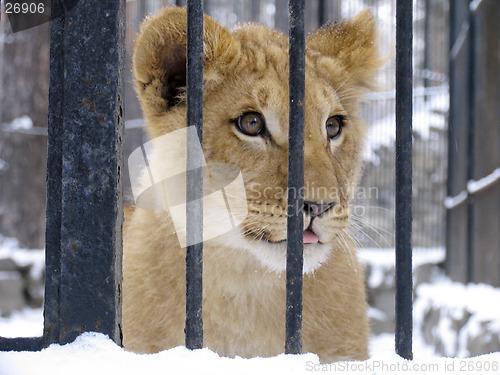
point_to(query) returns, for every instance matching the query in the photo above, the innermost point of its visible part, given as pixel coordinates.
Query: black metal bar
(84, 209)
(84, 203)
(295, 224)
(52, 299)
(404, 107)
(456, 218)
(21, 344)
(427, 44)
(452, 30)
(194, 207)
(471, 98)
(322, 12)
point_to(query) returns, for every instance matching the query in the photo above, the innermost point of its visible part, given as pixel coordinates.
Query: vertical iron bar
(84, 172)
(452, 30)
(194, 184)
(471, 98)
(427, 45)
(456, 264)
(404, 75)
(84, 201)
(321, 12)
(295, 224)
(54, 178)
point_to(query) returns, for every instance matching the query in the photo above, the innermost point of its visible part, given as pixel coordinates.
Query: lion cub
(246, 125)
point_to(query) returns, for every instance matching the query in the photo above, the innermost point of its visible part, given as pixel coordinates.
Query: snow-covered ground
(95, 353)
(9, 248)
(24, 323)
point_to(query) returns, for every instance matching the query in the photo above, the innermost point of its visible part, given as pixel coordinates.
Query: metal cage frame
(83, 288)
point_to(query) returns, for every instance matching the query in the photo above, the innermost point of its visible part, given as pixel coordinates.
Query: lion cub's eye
(251, 123)
(334, 126)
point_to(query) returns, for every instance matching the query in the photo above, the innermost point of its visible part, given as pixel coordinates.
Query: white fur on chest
(273, 255)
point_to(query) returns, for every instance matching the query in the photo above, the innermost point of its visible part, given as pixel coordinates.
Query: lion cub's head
(246, 119)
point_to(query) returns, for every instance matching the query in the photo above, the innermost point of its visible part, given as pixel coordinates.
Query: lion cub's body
(243, 275)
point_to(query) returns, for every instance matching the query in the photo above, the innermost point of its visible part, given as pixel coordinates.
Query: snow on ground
(96, 354)
(383, 260)
(385, 257)
(467, 314)
(477, 299)
(9, 248)
(25, 323)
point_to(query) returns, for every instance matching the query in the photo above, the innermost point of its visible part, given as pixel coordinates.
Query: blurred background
(456, 158)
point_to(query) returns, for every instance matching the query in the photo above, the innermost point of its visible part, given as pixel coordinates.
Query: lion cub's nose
(317, 209)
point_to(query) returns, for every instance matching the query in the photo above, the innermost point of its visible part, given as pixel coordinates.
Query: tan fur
(243, 303)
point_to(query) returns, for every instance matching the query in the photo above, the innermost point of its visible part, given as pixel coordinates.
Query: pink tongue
(310, 237)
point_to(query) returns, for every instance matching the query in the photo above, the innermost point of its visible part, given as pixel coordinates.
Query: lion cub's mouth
(271, 252)
(308, 236)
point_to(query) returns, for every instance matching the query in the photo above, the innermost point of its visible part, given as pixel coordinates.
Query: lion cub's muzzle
(314, 209)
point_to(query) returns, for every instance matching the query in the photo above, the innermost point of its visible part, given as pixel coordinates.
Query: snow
(473, 186)
(384, 259)
(21, 123)
(483, 183)
(456, 304)
(475, 298)
(96, 354)
(25, 323)
(452, 202)
(474, 5)
(9, 248)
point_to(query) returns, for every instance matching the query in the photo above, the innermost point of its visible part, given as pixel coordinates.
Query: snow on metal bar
(457, 200)
(474, 5)
(295, 225)
(473, 187)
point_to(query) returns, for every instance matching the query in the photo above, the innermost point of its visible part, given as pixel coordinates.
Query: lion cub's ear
(353, 44)
(159, 62)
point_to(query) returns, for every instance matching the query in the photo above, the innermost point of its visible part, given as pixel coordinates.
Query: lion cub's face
(246, 120)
